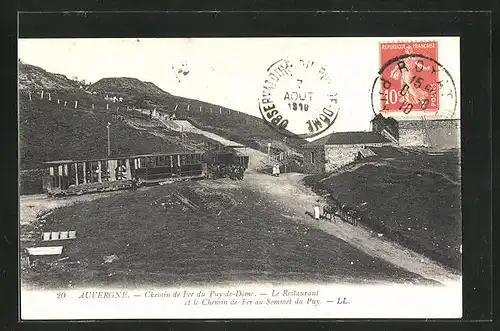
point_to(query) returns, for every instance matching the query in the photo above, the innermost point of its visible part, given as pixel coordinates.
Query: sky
(229, 71)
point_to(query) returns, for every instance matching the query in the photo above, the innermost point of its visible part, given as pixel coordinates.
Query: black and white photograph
(287, 177)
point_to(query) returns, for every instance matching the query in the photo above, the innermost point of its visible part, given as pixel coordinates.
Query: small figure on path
(317, 210)
(276, 170)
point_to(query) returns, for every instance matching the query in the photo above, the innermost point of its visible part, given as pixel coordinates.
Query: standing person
(317, 210)
(276, 170)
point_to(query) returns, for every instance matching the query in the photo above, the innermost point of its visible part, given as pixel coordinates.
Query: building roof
(349, 138)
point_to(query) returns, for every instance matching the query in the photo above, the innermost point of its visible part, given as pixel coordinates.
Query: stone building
(437, 134)
(340, 148)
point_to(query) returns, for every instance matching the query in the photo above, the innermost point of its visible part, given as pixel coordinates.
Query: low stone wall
(340, 155)
(412, 137)
(442, 134)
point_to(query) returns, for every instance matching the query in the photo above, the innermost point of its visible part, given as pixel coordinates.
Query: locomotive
(68, 177)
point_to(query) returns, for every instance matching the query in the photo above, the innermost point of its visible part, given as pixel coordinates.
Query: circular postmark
(414, 84)
(297, 98)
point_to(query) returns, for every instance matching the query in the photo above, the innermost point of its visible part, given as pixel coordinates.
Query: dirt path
(186, 126)
(289, 190)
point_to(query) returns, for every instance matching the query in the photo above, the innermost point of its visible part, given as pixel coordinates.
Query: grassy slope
(414, 200)
(228, 123)
(52, 132)
(228, 239)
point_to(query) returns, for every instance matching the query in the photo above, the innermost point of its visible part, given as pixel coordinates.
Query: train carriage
(67, 177)
(153, 167)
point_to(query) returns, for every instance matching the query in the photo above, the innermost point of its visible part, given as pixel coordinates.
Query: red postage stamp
(409, 77)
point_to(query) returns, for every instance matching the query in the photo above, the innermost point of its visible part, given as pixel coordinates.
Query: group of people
(337, 209)
(232, 171)
(237, 172)
(160, 115)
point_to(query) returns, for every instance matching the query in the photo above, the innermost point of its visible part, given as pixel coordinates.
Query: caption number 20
(61, 295)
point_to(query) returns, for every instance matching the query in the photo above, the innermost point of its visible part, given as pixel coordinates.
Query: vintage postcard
(195, 178)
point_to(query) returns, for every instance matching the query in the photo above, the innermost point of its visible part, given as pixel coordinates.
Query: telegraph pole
(109, 142)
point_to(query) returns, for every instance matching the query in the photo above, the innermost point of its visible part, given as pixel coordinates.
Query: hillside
(128, 88)
(49, 130)
(36, 78)
(61, 119)
(228, 123)
(413, 199)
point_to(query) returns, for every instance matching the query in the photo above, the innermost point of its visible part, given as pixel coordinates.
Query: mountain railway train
(69, 177)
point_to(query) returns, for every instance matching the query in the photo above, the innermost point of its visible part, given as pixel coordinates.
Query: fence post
(41, 95)
(50, 98)
(220, 110)
(76, 104)
(65, 102)
(29, 94)
(57, 101)
(107, 106)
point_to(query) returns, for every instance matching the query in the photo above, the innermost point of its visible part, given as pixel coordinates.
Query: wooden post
(59, 174)
(57, 101)
(99, 172)
(112, 164)
(41, 95)
(65, 102)
(171, 161)
(220, 110)
(50, 98)
(29, 94)
(188, 106)
(107, 106)
(127, 165)
(76, 104)
(84, 172)
(52, 179)
(76, 173)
